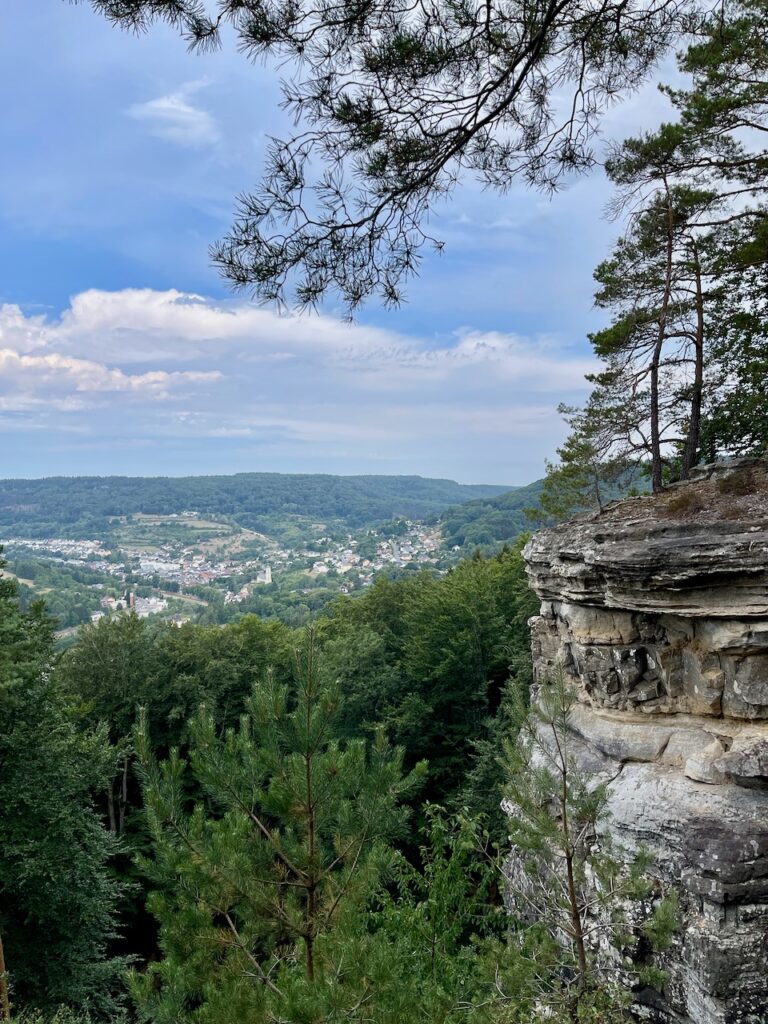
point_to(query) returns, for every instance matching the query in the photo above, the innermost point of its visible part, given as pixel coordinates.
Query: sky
(123, 352)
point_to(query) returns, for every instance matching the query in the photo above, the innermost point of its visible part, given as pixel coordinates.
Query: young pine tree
(597, 461)
(262, 891)
(568, 890)
(437, 919)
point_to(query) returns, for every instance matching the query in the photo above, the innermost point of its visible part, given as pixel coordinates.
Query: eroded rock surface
(657, 611)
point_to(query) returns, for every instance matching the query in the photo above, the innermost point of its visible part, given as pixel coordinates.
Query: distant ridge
(487, 522)
(74, 506)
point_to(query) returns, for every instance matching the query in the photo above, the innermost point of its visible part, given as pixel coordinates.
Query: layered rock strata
(657, 611)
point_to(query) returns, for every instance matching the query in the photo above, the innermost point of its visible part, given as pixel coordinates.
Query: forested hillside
(287, 825)
(490, 520)
(82, 506)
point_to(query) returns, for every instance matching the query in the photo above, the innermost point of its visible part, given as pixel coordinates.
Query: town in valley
(175, 566)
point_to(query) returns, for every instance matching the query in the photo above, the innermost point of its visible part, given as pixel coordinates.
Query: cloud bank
(218, 386)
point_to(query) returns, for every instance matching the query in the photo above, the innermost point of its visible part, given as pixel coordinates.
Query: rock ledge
(657, 611)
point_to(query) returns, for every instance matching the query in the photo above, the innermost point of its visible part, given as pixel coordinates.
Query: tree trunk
(656, 480)
(596, 486)
(577, 928)
(309, 938)
(123, 797)
(576, 923)
(311, 923)
(5, 1002)
(111, 808)
(694, 425)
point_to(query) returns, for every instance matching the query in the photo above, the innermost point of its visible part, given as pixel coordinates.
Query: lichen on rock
(657, 611)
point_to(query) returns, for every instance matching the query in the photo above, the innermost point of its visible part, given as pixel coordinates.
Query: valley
(274, 554)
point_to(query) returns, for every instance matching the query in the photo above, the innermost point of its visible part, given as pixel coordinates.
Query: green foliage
(726, 62)
(664, 922)
(262, 888)
(87, 507)
(438, 918)
(487, 523)
(279, 847)
(122, 662)
(568, 889)
(58, 900)
(656, 285)
(735, 421)
(68, 593)
(408, 101)
(60, 1015)
(685, 351)
(593, 465)
(428, 658)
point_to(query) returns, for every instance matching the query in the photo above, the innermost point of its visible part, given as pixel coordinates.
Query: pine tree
(735, 413)
(262, 889)
(686, 282)
(598, 460)
(397, 103)
(437, 918)
(567, 887)
(723, 113)
(657, 285)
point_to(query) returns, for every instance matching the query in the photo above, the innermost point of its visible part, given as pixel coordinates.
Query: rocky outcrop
(657, 611)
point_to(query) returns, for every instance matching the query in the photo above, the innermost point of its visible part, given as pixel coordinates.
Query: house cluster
(142, 606)
(418, 544)
(342, 564)
(90, 553)
(189, 567)
(81, 550)
(263, 576)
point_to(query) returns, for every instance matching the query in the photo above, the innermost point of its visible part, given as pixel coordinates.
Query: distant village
(354, 563)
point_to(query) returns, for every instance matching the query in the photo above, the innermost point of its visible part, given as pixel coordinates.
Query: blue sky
(121, 350)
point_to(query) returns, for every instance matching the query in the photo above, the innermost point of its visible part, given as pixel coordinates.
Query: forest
(83, 507)
(287, 825)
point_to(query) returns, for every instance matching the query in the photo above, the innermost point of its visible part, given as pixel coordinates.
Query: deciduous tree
(58, 899)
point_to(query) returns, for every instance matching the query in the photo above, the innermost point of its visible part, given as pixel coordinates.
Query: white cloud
(301, 391)
(87, 375)
(35, 376)
(137, 324)
(485, 359)
(19, 331)
(173, 118)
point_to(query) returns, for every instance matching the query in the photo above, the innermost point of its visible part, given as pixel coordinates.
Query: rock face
(657, 611)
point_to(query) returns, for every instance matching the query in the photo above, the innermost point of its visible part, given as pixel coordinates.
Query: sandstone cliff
(657, 609)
